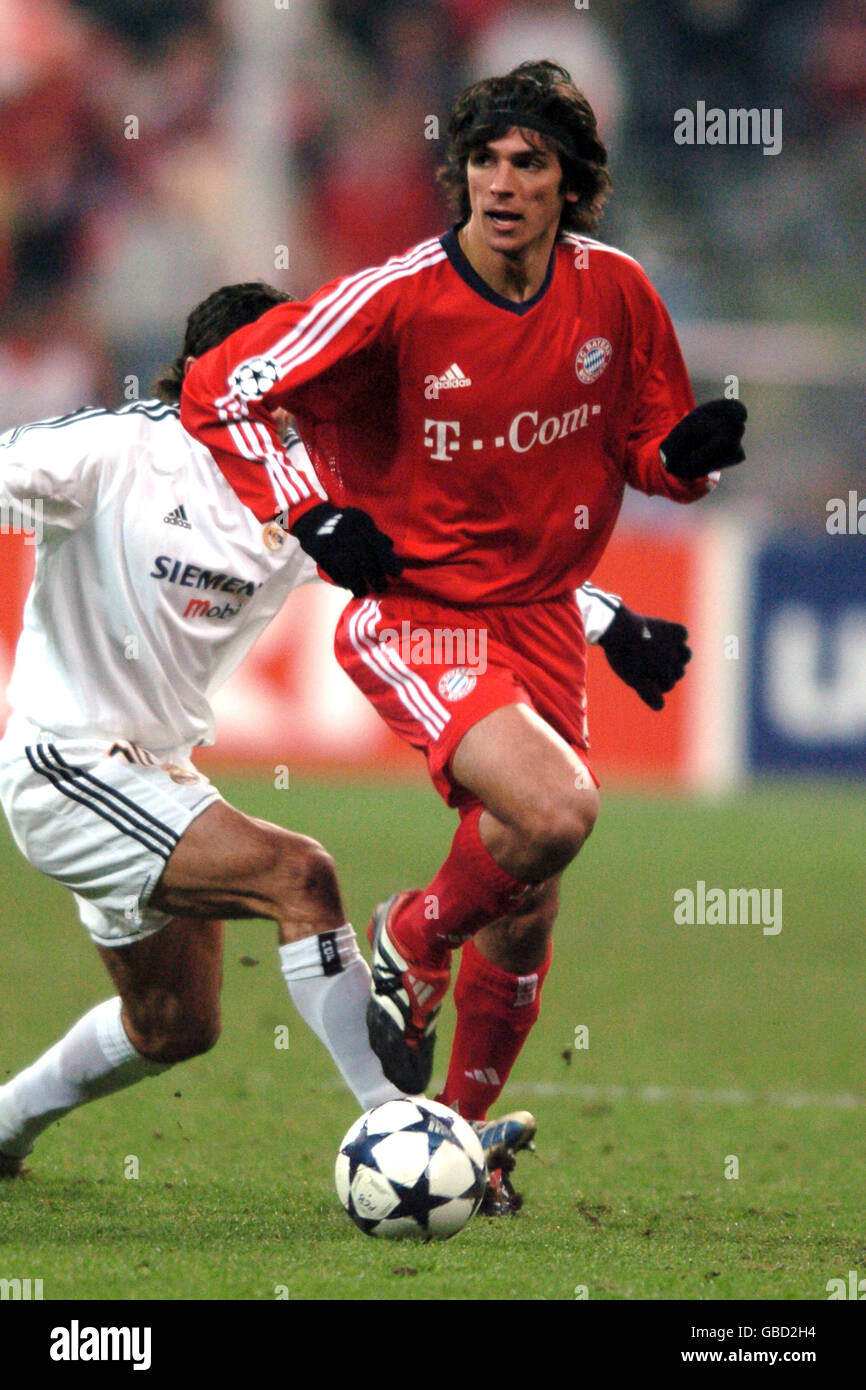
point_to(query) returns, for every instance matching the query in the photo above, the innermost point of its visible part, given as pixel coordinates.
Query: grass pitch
(703, 1146)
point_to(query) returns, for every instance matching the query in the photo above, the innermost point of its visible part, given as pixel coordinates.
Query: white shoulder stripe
(333, 301)
(332, 313)
(578, 239)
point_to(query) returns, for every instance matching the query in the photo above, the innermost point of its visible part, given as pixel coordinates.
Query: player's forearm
(227, 403)
(247, 449)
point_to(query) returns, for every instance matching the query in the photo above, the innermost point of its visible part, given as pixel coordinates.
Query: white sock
(329, 983)
(94, 1059)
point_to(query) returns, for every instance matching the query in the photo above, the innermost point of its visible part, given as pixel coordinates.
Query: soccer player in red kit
(474, 409)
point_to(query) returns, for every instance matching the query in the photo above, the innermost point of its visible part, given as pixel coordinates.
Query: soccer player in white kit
(152, 583)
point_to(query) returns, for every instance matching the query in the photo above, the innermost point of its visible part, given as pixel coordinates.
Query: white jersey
(152, 579)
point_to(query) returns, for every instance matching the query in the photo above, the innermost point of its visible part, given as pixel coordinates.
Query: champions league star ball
(254, 378)
(411, 1168)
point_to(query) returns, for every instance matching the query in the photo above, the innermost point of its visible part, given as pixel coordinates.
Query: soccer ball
(411, 1168)
(254, 377)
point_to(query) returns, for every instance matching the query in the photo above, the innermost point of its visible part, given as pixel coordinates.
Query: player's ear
(571, 196)
(187, 363)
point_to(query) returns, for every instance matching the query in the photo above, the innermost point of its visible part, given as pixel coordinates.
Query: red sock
(469, 891)
(495, 1012)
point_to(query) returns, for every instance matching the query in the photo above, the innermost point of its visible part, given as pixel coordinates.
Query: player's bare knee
(195, 1040)
(301, 880)
(317, 878)
(168, 1031)
(556, 833)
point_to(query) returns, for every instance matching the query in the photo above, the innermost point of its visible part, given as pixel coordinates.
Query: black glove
(707, 438)
(346, 543)
(649, 654)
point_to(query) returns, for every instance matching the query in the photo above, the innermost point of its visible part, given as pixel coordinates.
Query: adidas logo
(178, 518)
(487, 1076)
(452, 377)
(422, 989)
(329, 527)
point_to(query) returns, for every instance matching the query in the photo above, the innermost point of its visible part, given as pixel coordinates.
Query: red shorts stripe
(432, 671)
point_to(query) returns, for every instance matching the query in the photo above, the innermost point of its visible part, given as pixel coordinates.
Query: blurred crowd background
(137, 135)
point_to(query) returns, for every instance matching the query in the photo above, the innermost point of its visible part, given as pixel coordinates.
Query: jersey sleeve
(49, 472)
(664, 397)
(229, 392)
(597, 609)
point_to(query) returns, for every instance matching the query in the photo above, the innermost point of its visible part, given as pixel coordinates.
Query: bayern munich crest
(592, 358)
(454, 685)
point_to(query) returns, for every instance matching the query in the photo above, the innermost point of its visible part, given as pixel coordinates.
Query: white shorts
(102, 819)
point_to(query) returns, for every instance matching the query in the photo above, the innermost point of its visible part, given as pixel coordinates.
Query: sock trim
(511, 988)
(327, 953)
(111, 1034)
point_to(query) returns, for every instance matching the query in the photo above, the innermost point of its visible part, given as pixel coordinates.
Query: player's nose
(503, 181)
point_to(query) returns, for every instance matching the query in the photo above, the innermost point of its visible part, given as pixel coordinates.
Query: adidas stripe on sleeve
(229, 392)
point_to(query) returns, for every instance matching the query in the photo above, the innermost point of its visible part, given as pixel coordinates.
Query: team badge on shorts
(274, 536)
(454, 685)
(592, 359)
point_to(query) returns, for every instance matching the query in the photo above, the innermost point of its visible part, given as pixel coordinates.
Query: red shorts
(432, 672)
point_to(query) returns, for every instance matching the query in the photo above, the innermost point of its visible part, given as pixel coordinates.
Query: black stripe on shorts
(105, 801)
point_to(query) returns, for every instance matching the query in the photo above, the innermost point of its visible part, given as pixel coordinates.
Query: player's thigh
(524, 772)
(169, 984)
(229, 864)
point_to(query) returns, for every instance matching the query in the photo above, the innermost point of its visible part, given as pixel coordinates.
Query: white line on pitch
(665, 1095)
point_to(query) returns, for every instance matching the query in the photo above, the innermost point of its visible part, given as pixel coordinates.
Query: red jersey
(492, 440)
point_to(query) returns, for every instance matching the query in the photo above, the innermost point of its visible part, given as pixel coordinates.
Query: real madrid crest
(273, 535)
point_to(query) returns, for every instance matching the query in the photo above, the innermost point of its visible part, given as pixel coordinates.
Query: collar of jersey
(453, 250)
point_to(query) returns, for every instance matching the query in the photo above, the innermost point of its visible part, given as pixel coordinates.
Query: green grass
(627, 1194)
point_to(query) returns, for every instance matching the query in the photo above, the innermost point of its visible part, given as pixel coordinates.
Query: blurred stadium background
(150, 151)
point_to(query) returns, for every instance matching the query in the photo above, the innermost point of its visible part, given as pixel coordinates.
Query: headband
(514, 116)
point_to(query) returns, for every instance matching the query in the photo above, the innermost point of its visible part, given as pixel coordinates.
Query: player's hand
(346, 543)
(709, 437)
(649, 654)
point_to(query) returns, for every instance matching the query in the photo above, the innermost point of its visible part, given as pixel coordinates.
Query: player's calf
(520, 943)
(169, 985)
(163, 1029)
(239, 867)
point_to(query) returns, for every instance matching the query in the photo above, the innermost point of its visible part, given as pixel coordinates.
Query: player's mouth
(503, 219)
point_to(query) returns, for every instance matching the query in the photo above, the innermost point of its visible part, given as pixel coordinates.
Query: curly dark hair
(224, 311)
(544, 92)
